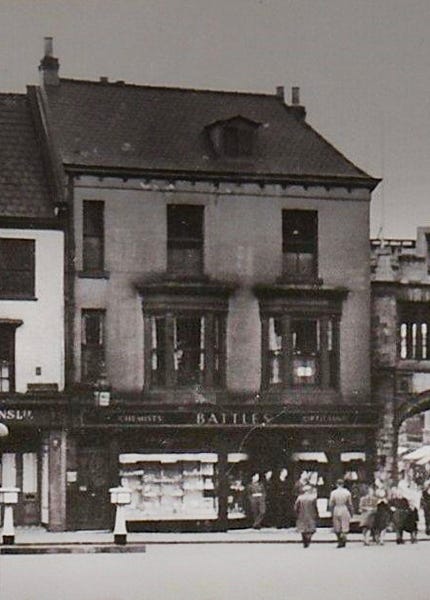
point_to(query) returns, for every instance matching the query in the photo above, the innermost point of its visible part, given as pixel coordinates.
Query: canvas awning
(310, 456)
(417, 454)
(348, 456)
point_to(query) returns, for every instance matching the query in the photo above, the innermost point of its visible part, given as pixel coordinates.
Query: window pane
(299, 243)
(185, 239)
(187, 350)
(92, 344)
(304, 371)
(275, 350)
(93, 218)
(305, 336)
(29, 473)
(184, 221)
(17, 267)
(93, 235)
(93, 254)
(158, 350)
(306, 346)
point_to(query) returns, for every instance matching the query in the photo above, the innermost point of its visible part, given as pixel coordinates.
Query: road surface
(223, 572)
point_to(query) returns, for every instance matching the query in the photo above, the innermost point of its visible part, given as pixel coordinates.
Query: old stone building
(400, 336)
(217, 300)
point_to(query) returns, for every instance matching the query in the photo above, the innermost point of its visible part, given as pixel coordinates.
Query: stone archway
(396, 411)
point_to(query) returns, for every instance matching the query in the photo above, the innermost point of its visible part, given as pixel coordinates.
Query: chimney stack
(296, 108)
(280, 92)
(49, 65)
(295, 96)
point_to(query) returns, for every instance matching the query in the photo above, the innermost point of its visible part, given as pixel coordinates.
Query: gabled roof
(24, 188)
(116, 125)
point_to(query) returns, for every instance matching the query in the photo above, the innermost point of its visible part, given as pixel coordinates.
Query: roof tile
(153, 128)
(23, 184)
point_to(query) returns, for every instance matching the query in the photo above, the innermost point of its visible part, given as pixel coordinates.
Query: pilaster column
(57, 480)
(287, 352)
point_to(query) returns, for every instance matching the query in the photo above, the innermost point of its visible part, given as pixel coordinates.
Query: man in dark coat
(425, 505)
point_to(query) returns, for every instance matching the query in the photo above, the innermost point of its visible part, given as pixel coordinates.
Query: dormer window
(234, 138)
(237, 141)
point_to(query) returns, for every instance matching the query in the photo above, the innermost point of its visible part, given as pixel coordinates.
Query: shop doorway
(21, 470)
(88, 494)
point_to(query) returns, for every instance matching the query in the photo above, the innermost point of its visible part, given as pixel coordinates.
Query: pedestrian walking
(306, 511)
(411, 522)
(425, 505)
(257, 500)
(340, 505)
(400, 507)
(382, 517)
(367, 510)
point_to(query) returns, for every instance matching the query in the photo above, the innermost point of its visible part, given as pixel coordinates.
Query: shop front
(188, 468)
(24, 458)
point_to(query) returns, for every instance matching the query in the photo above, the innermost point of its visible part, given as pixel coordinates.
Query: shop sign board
(224, 417)
(25, 416)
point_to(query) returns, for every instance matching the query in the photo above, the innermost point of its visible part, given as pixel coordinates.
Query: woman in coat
(306, 511)
(382, 517)
(340, 505)
(400, 505)
(367, 509)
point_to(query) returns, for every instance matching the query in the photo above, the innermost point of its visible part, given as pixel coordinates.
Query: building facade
(31, 316)
(400, 335)
(217, 313)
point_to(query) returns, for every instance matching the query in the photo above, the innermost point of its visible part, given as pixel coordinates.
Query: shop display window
(171, 486)
(236, 472)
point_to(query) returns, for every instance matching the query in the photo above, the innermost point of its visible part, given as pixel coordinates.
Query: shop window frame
(289, 304)
(210, 353)
(170, 299)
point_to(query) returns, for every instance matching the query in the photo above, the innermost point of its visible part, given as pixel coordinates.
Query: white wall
(40, 339)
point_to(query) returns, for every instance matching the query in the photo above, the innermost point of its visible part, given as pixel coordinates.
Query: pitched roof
(24, 189)
(117, 125)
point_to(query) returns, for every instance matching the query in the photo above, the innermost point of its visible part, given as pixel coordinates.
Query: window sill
(93, 274)
(291, 279)
(20, 298)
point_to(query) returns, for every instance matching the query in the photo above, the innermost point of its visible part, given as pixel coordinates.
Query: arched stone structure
(396, 411)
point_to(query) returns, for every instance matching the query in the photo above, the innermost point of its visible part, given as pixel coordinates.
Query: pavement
(37, 540)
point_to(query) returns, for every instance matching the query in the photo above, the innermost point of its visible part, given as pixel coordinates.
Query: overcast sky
(363, 67)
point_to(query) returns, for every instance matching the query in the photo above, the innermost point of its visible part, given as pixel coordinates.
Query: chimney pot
(49, 65)
(49, 48)
(280, 93)
(104, 79)
(295, 95)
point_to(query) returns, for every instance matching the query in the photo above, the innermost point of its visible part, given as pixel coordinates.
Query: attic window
(237, 141)
(233, 138)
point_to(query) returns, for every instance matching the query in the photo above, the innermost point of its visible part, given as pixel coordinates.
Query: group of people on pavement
(379, 509)
(339, 504)
(261, 494)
